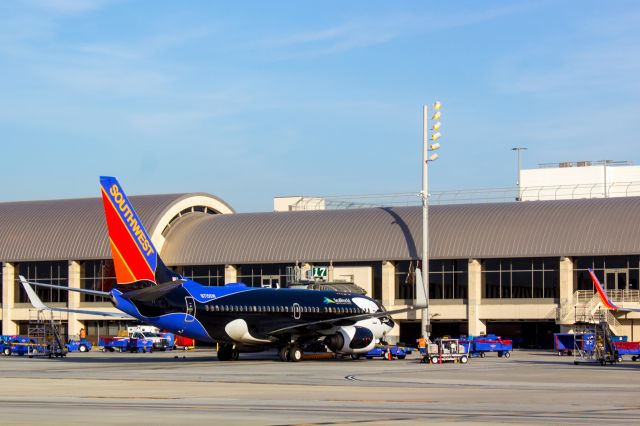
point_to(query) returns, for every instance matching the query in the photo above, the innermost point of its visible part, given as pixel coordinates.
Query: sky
(248, 100)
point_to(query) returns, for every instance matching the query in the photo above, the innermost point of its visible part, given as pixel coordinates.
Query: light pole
(425, 322)
(518, 149)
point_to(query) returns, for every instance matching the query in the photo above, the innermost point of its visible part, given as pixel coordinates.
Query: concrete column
(9, 326)
(74, 325)
(476, 325)
(230, 274)
(388, 283)
(567, 288)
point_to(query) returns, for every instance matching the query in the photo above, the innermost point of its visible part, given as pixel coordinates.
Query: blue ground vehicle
(478, 346)
(19, 345)
(82, 345)
(380, 351)
(126, 344)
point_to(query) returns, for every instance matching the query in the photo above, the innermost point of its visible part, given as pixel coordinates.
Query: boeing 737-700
(236, 317)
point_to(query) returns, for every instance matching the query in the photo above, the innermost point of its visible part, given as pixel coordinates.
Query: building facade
(516, 269)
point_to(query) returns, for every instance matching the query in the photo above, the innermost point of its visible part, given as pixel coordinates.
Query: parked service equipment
(478, 346)
(628, 348)
(387, 352)
(563, 343)
(82, 345)
(445, 350)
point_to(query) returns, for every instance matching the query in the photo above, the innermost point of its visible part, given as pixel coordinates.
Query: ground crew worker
(83, 333)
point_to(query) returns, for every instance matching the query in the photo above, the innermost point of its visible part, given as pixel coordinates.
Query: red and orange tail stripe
(130, 262)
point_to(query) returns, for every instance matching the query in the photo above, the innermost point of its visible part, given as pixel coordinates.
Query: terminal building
(517, 269)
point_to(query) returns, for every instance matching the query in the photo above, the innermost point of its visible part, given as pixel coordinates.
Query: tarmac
(531, 387)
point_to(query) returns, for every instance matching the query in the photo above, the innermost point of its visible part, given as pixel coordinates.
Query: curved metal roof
(519, 229)
(69, 229)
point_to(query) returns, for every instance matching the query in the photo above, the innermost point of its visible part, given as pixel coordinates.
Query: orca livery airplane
(605, 299)
(236, 317)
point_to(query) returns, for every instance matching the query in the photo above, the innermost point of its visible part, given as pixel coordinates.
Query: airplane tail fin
(603, 295)
(135, 258)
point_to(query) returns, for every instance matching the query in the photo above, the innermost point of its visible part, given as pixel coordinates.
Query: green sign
(320, 272)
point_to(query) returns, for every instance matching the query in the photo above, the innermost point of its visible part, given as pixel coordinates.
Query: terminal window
(56, 273)
(521, 278)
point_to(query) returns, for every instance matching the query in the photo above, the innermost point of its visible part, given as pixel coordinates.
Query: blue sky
(249, 100)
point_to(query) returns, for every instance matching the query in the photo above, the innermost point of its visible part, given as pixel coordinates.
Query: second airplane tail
(135, 258)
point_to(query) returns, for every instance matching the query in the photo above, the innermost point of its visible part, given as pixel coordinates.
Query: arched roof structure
(76, 228)
(595, 227)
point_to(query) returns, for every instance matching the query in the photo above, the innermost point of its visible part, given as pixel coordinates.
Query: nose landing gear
(227, 353)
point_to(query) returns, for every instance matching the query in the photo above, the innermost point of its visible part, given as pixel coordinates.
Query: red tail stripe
(122, 239)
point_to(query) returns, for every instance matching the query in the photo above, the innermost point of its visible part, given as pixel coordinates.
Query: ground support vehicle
(114, 344)
(140, 345)
(146, 332)
(82, 345)
(20, 345)
(446, 350)
(126, 344)
(480, 345)
(564, 343)
(595, 347)
(628, 348)
(388, 352)
(185, 343)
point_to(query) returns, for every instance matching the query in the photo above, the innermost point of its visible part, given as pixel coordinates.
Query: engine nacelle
(351, 340)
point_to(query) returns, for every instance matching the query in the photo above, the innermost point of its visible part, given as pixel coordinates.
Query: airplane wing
(341, 321)
(38, 304)
(421, 304)
(605, 299)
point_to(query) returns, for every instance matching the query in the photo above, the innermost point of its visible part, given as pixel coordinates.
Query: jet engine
(351, 340)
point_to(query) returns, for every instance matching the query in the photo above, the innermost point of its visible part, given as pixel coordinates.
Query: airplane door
(190, 311)
(297, 311)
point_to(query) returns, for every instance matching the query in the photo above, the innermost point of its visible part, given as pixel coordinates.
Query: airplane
(236, 317)
(605, 299)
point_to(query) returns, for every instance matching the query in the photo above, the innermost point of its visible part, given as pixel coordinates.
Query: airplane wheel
(225, 353)
(355, 356)
(235, 354)
(283, 354)
(295, 354)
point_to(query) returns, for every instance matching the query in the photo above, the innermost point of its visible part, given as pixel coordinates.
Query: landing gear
(295, 353)
(291, 353)
(283, 354)
(227, 353)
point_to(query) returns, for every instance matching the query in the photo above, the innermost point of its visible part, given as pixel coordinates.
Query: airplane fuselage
(247, 316)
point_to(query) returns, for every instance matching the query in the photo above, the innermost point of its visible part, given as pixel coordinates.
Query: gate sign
(320, 272)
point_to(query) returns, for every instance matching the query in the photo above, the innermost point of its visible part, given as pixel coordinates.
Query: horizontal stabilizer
(39, 304)
(78, 290)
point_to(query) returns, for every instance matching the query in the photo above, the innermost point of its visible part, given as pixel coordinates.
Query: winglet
(603, 295)
(33, 297)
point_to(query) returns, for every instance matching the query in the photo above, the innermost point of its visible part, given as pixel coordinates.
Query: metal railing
(471, 196)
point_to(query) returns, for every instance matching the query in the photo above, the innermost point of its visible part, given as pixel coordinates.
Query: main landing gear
(291, 353)
(227, 353)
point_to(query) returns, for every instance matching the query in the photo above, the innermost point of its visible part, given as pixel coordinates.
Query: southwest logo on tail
(134, 256)
(605, 299)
